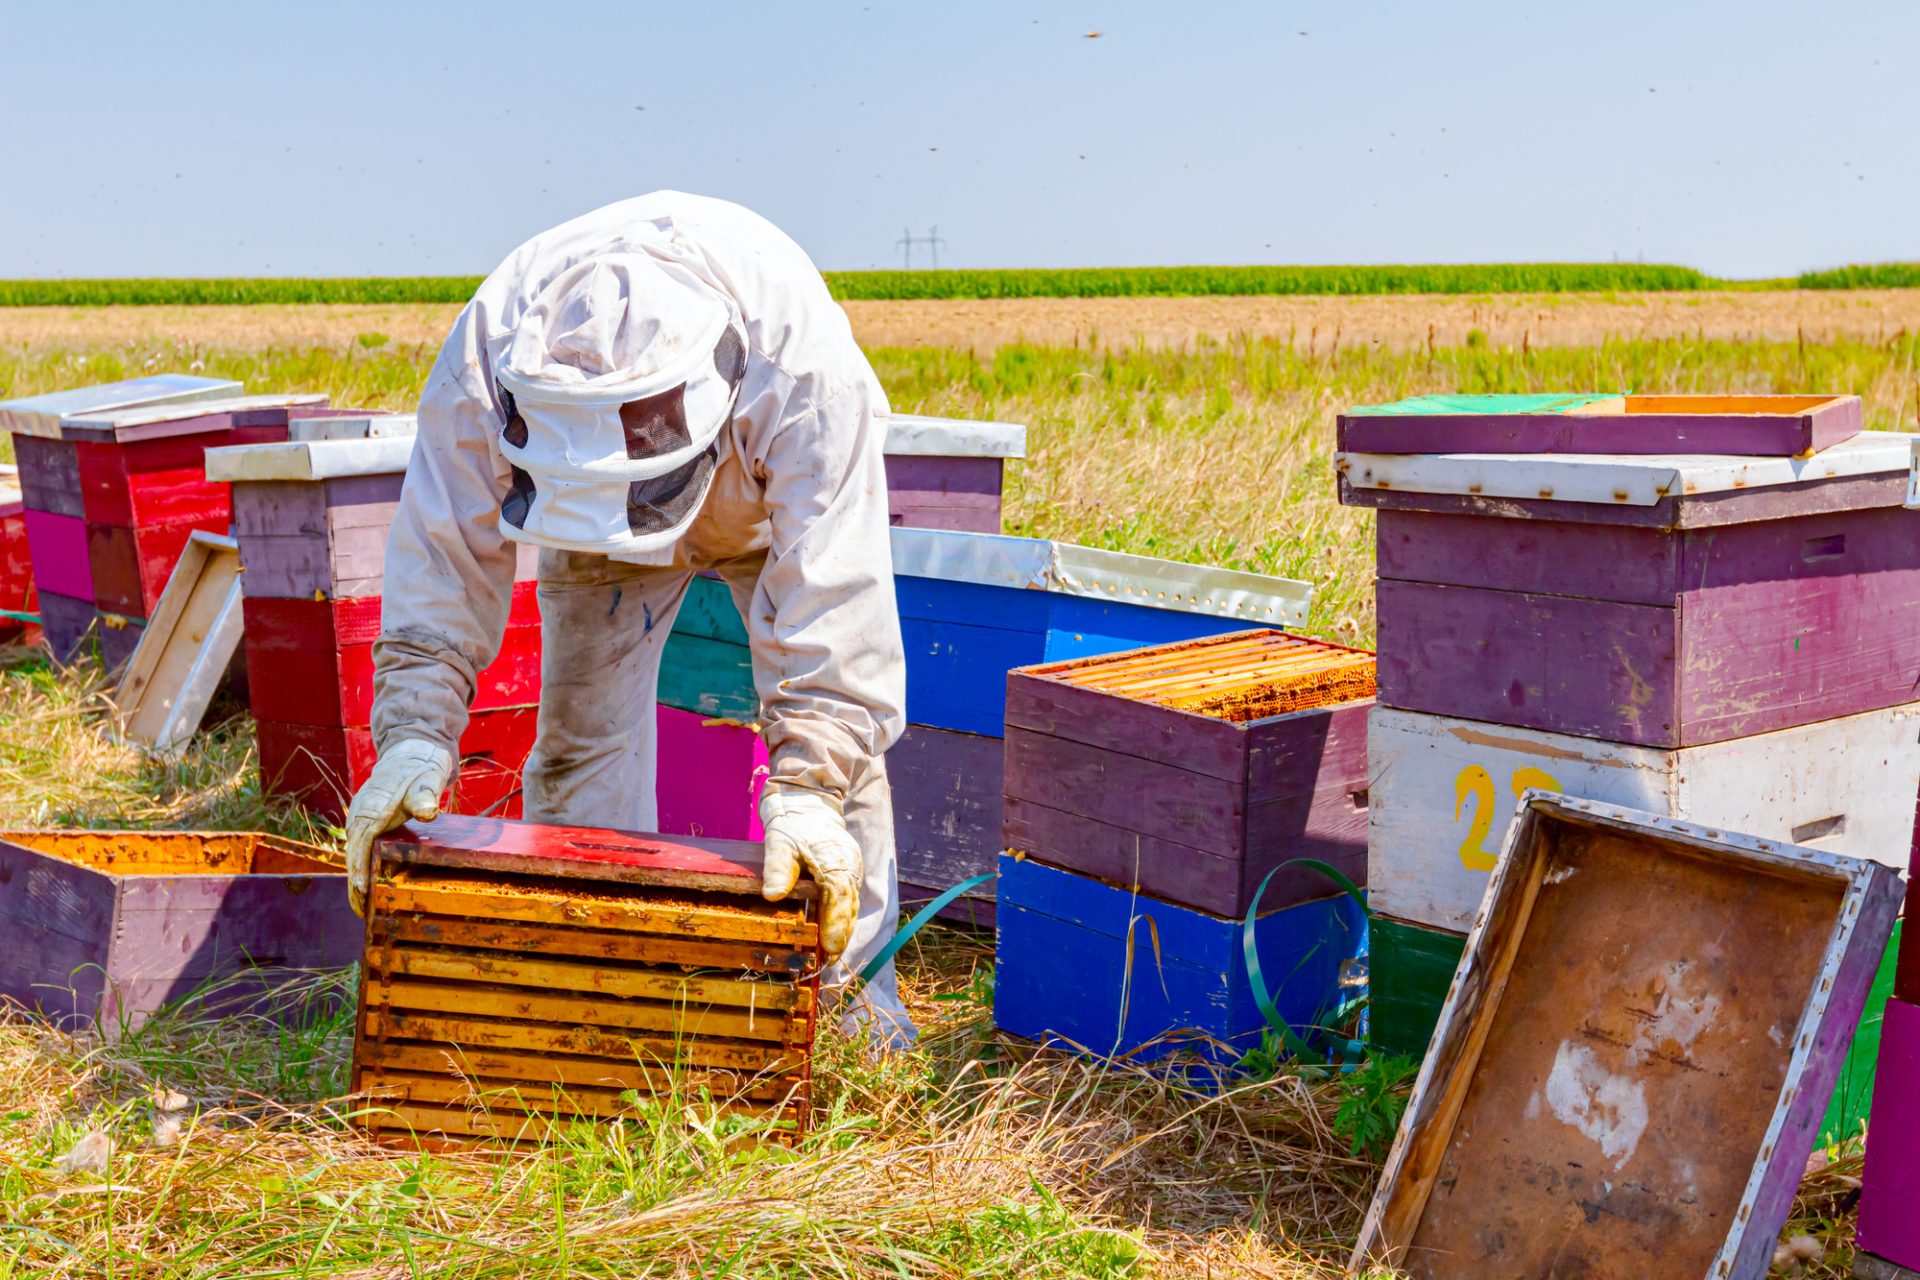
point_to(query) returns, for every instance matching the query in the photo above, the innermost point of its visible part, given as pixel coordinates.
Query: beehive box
(1889, 1228)
(1788, 426)
(16, 562)
(1618, 1092)
(1659, 601)
(1191, 771)
(519, 977)
(106, 927)
(1115, 973)
(1444, 789)
(323, 765)
(948, 473)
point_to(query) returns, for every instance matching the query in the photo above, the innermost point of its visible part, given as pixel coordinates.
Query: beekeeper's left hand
(807, 827)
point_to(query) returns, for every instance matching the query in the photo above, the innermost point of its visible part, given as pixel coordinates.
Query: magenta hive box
(948, 473)
(1789, 426)
(50, 486)
(1659, 601)
(1890, 1194)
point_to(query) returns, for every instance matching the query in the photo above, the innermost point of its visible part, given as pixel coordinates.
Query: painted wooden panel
(1409, 969)
(160, 481)
(119, 638)
(49, 475)
(156, 917)
(16, 574)
(1111, 972)
(1889, 1227)
(947, 803)
(1443, 790)
(130, 567)
(710, 774)
(930, 492)
(67, 625)
(311, 661)
(1907, 980)
(905, 512)
(1545, 557)
(322, 765)
(58, 545)
(1783, 425)
(1590, 1052)
(40, 415)
(691, 975)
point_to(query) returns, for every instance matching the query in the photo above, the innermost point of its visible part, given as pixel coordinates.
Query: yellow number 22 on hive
(1476, 783)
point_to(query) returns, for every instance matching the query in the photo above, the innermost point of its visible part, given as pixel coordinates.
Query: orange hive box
(519, 977)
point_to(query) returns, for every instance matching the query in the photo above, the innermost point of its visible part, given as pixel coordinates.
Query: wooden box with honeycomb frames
(1189, 771)
(521, 977)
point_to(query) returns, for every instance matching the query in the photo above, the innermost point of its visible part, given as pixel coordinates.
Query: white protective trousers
(795, 521)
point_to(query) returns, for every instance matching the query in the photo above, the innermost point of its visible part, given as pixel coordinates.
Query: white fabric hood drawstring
(615, 384)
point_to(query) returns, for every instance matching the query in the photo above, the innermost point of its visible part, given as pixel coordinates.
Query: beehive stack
(311, 517)
(519, 977)
(972, 607)
(948, 473)
(53, 514)
(1732, 638)
(1890, 1183)
(1172, 785)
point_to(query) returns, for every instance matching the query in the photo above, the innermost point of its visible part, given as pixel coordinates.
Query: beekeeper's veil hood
(615, 385)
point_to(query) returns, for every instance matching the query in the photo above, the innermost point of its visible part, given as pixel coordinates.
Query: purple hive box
(1659, 601)
(104, 928)
(948, 473)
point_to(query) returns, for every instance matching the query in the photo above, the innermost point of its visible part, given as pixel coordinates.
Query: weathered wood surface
(1592, 1053)
(239, 419)
(40, 415)
(112, 927)
(1889, 1227)
(49, 475)
(947, 802)
(291, 507)
(58, 545)
(944, 493)
(1112, 972)
(311, 661)
(67, 623)
(119, 638)
(185, 648)
(1443, 790)
(16, 572)
(644, 965)
(322, 765)
(1787, 426)
(130, 567)
(1410, 968)
(161, 481)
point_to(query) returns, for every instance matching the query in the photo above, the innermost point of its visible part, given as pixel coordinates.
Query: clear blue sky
(346, 138)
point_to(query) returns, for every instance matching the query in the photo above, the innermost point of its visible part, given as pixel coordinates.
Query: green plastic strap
(919, 922)
(1262, 994)
(17, 616)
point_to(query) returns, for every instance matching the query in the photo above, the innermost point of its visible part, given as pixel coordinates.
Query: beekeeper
(660, 387)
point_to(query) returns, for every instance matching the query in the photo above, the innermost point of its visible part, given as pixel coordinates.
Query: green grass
(1088, 282)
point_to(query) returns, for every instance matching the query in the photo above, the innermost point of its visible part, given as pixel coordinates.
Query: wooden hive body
(948, 473)
(1889, 1228)
(104, 928)
(1191, 771)
(518, 977)
(1785, 425)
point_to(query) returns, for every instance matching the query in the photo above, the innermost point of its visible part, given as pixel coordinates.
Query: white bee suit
(794, 518)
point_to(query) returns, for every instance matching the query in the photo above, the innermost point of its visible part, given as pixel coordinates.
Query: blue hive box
(1065, 970)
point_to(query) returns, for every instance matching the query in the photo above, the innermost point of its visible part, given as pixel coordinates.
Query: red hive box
(311, 517)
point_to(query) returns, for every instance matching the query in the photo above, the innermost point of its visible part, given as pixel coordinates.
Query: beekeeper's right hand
(406, 782)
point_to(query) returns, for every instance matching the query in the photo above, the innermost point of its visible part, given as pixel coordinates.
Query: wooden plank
(597, 944)
(1202, 744)
(279, 508)
(291, 566)
(1890, 1186)
(186, 647)
(588, 906)
(1786, 426)
(1622, 1050)
(522, 1004)
(948, 791)
(1154, 799)
(626, 857)
(49, 475)
(1444, 788)
(946, 481)
(1542, 557)
(535, 1069)
(58, 545)
(584, 1041)
(490, 1121)
(130, 567)
(709, 776)
(904, 512)
(1585, 667)
(1409, 971)
(67, 624)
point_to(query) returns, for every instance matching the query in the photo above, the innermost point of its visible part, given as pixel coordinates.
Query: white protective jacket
(800, 479)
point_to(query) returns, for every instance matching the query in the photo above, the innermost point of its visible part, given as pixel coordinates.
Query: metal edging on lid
(1618, 480)
(310, 459)
(1000, 560)
(146, 414)
(912, 434)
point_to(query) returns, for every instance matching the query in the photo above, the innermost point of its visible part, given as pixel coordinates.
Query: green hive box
(1411, 968)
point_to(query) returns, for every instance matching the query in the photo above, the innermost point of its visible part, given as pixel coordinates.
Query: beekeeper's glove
(806, 827)
(406, 782)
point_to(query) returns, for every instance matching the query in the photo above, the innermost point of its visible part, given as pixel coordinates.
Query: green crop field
(970, 1156)
(1092, 282)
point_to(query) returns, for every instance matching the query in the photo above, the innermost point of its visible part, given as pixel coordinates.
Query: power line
(931, 242)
